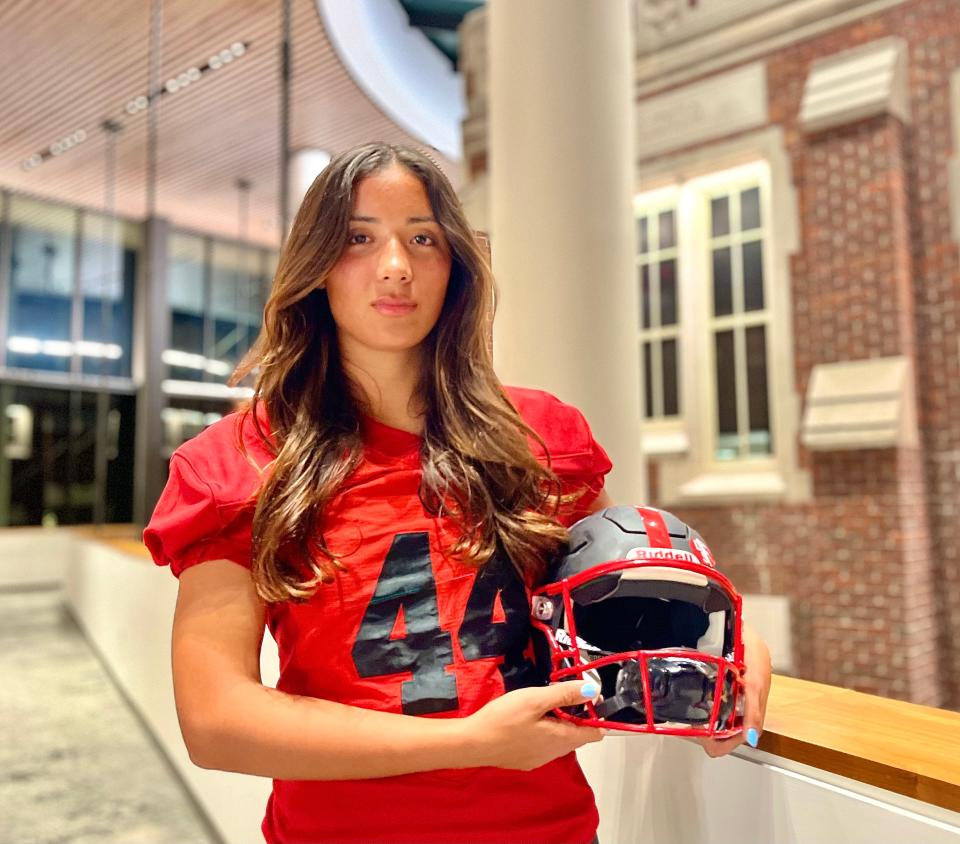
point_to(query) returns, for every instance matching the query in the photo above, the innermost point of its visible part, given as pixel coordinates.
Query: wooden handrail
(903, 747)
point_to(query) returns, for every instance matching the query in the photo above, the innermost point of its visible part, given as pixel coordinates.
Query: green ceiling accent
(439, 20)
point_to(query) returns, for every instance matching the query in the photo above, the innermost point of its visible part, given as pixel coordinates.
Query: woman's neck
(388, 383)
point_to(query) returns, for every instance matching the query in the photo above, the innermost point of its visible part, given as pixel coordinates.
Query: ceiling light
(91, 349)
(202, 390)
(187, 360)
(139, 103)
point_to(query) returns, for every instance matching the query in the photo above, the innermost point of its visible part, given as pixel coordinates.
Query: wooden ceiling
(67, 66)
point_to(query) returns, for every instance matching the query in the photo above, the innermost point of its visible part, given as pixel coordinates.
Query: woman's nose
(394, 262)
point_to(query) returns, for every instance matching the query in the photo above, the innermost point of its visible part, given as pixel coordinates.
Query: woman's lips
(394, 307)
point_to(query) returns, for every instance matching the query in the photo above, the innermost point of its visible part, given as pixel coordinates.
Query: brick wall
(871, 563)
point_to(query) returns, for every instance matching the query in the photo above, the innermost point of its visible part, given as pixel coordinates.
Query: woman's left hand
(756, 689)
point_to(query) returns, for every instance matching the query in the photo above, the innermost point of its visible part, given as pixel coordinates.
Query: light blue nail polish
(752, 737)
(589, 690)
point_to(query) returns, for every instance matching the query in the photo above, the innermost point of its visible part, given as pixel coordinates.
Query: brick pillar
(871, 617)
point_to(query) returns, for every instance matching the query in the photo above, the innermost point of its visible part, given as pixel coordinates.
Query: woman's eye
(423, 239)
(354, 238)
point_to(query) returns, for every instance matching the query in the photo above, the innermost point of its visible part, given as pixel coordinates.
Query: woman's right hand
(516, 730)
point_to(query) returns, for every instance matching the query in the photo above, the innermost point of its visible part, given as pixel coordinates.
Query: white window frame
(953, 173)
(731, 183)
(684, 447)
(652, 207)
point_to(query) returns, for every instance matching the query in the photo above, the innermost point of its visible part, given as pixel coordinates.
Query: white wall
(652, 790)
(33, 557)
(124, 605)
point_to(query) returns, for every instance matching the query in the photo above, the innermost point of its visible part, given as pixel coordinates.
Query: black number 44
(401, 627)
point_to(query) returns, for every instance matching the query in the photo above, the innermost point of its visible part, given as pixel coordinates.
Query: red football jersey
(405, 629)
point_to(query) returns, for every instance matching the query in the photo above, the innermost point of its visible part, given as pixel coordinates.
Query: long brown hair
(478, 468)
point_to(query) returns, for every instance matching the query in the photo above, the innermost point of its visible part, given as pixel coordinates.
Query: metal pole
(152, 320)
(113, 252)
(286, 72)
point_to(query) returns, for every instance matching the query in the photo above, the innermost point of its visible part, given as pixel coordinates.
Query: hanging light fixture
(136, 105)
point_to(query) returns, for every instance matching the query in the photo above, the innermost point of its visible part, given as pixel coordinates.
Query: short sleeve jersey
(406, 628)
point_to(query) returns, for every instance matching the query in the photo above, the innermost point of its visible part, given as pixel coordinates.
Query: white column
(305, 166)
(561, 181)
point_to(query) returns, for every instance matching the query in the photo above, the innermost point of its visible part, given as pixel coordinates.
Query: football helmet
(637, 605)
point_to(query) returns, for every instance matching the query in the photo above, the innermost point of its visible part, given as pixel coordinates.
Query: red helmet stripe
(657, 533)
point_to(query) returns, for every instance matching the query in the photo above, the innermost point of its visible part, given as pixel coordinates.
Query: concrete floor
(76, 764)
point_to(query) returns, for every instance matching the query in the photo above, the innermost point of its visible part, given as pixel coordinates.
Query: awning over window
(857, 83)
(860, 404)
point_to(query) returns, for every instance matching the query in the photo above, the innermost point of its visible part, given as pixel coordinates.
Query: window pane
(120, 454)
(726, 394)
(722, 288)
(108, 267)
(720, 216)
(645, 296)
(185, 267)
(42, 261)
(643, 240)
(186, 293)
(668, 292)
(757, 386)
(235, 304)
(647, 381)
(53, 476)
(671, 403)
(668, 237)
(750, 209)
(752, 276)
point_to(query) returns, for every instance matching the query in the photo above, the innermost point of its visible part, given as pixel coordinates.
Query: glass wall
(108, 268)
(51, 453)
(216, 293)
(71, 278)
(42, 271)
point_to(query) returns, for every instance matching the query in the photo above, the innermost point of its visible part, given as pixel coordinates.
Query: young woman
(384, 505)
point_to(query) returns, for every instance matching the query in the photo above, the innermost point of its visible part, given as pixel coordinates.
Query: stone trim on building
(860, 82)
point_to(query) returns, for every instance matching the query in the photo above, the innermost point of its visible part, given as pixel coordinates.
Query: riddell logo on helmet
(671, 555)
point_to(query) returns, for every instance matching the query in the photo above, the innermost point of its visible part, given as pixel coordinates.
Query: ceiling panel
(78, 63)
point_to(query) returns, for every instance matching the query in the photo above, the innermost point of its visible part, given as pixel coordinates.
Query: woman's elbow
(202, 735)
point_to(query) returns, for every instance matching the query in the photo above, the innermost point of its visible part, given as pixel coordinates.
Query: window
(738, 322)
(659, 310)
(108, 270)
(720, 410)
(216, 290)
(42, 279)
(68, 456)
(71, 289)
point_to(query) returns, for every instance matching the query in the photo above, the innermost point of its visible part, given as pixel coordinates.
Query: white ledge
(861, 82)
(724, 486)
(859, 404)
(662, 443)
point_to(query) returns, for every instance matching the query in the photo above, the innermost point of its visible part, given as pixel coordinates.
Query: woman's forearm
(269, 733)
